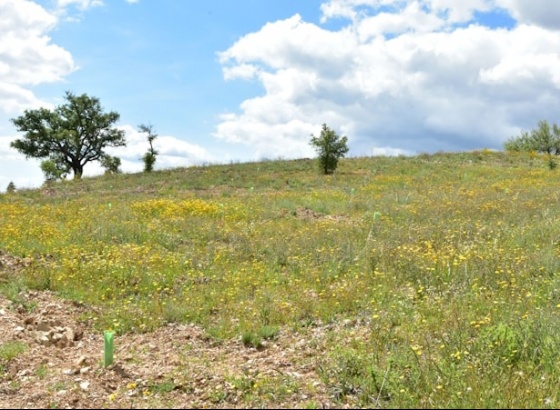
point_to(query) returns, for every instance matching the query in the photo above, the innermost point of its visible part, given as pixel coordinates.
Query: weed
(11, 350)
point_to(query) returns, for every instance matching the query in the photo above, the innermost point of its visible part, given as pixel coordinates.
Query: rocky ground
(179, 366)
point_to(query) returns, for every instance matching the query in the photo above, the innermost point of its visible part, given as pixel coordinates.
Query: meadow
(448, 265)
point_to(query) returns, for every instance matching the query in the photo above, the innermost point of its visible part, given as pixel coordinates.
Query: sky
(225, 81)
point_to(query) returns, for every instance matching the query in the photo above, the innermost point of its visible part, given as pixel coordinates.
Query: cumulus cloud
(537, 12)
(401, 76)
(27, 55)
(27, 58)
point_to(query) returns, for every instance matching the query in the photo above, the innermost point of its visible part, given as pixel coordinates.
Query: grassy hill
(447, 264)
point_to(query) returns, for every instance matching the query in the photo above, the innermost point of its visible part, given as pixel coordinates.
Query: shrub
(330, 147)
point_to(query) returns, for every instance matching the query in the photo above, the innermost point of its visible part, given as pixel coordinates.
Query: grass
(445, 267)
(9, 351)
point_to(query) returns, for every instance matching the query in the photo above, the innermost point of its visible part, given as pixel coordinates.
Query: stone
(43, 326)
(70, 334)
(81, 361)
(43, 339)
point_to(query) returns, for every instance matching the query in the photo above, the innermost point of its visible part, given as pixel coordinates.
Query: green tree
(149, 157)
(54, 169)
(544, 139)
(111, 164)
(71, 135)
(11, 188)
(330, 147)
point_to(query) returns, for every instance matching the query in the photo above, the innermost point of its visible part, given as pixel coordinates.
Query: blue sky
(245, 80)
(156, 61)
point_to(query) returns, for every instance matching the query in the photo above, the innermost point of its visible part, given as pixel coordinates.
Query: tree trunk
(78, 170)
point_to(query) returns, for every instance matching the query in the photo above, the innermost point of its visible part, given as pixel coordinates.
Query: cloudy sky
(241, 80)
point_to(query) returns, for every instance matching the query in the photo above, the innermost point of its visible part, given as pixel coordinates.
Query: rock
(23, 373)
(78, 334)
(81, 361)
(84, 385)
(70, 334)
(43, 326)
(63, 341)
(43, 339)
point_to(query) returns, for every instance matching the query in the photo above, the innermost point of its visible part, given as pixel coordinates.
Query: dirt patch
(177, 366)
(10, 264)
(311, 215)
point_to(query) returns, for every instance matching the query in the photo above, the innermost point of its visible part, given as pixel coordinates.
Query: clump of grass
(255, 339)
(10, 350)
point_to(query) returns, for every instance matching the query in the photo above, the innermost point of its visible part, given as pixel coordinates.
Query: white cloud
(544, 13)
(27, 55)
(27, 58)
(84, 4)
(452, 11)
(402, 76)
(81, 4)
(172, 151)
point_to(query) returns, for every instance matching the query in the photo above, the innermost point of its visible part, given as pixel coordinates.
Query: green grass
(445, 267)
(10, 350)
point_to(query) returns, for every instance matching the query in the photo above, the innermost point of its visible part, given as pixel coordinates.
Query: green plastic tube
(109, 348)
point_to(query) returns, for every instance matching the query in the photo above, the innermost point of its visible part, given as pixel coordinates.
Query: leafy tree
(149, 157)
(111, 164)
(330, 147)
(11, 188)
(54, 169)
(544, 139)
(69, 136)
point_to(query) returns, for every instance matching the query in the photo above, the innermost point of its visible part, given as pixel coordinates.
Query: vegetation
(149, 157)
(544, 139)
(11, 188)
(436, 278)
(111, 164)
(69, 136)
(330, 147)
(54, 169)
(8, 351)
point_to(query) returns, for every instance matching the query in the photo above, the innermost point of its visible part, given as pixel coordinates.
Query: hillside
(398, 282)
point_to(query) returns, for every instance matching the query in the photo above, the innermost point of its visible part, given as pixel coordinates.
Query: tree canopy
(71, 135)
(330, 147)
(544, 139)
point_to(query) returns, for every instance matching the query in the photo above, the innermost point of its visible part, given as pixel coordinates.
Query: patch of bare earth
(177, 366)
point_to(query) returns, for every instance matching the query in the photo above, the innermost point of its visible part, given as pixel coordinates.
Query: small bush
(330, 147)
(11, 188)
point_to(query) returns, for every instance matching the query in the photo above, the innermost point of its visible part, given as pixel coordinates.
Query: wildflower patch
(170, 209)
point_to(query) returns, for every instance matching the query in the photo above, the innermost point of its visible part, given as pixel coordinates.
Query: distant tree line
(544, 139)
